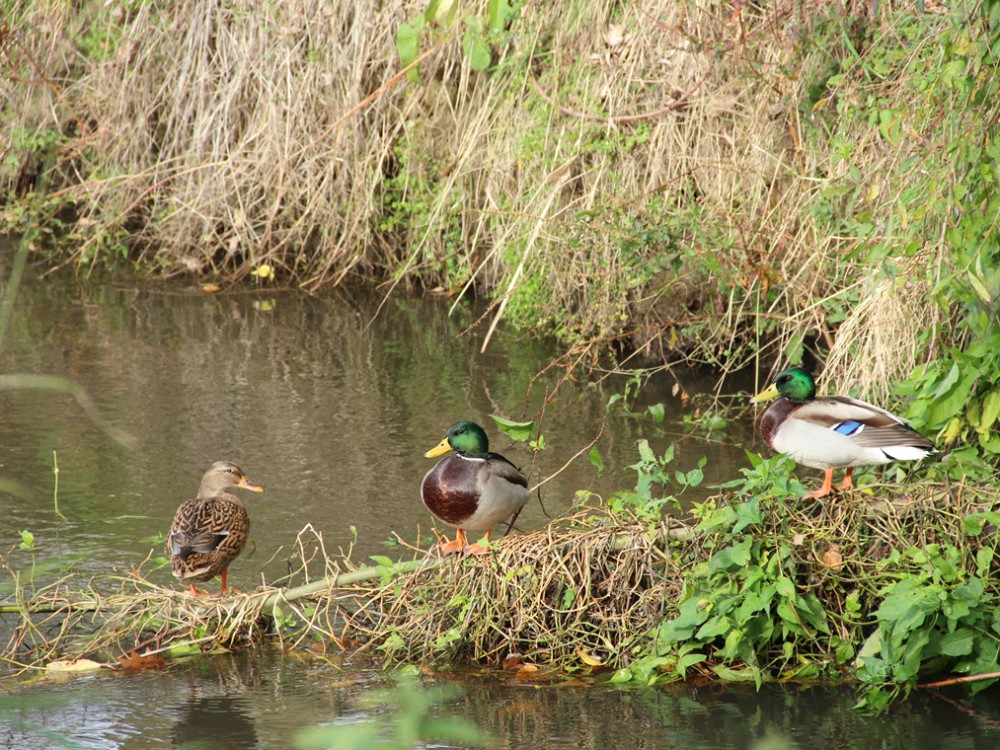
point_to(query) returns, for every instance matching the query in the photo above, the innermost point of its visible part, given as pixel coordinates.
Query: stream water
(329, 402)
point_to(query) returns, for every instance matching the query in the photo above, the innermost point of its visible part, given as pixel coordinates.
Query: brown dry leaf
(615, 35)
(678, 390)
(512, 661)
(526, 672)
(797, 539)
(832, 558)
(135, 660)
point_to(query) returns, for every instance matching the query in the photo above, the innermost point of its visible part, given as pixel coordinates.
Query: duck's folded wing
(502, 468)
(866, 424)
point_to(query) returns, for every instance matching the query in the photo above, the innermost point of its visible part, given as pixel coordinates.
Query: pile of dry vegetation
(882, 591)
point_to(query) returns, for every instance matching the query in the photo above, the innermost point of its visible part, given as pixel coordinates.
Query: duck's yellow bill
(768, 394)
(438, 450)
(246, 484)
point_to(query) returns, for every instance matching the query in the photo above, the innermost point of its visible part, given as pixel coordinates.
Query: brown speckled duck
(471, 489)
(209, 532)
(833, 432)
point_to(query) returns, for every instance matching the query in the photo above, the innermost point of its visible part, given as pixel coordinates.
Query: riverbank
(676, 181)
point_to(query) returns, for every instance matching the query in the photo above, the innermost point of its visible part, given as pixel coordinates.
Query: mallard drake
(472, 489)
(209, 532)
(833, 432)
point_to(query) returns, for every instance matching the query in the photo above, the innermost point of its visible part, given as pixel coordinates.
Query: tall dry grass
(216, 137)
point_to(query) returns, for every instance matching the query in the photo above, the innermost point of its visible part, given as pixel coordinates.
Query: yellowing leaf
(264, 271)
(526, 672)
(586, 658)
(991, 410)
(952, 431)
(73, 665)
(979, 287)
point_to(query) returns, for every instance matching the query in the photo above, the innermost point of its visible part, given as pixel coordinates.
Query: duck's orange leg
(458, 544)
(848, 483)
(195, 592)
(223, 575)
(481, 547)
(827, 487)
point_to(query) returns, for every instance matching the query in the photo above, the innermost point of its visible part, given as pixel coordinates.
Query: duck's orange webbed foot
(848, 483)
(458, 544)
(481, 547)
(826, 488)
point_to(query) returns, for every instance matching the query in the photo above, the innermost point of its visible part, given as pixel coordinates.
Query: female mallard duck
(833, 432)
(209, 531)
(472, 489)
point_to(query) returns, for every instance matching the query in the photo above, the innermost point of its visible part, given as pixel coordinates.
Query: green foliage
(27, 541)
(743, 605)
(941, 212)
(772, 476)
(767, 593)
(653, 470)
(408, 715)
(522, 432)
(958, 396)
(284, 622)
(619, 254)
(938, 620)
(444, 15)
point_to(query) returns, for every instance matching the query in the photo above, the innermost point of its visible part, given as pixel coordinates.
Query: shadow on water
(330, 408)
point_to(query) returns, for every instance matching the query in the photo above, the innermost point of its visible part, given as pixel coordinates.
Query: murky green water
(330, 407)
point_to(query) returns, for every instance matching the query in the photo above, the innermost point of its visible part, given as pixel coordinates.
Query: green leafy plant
(652, 471)
(742, 602)
(941, 619)
(445, 15)
(406, 716)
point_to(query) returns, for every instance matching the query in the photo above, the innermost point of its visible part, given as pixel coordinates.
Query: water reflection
(263, 700)
(214, 723)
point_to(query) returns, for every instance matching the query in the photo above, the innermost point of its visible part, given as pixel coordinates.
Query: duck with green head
(472, 489)
(833, 432)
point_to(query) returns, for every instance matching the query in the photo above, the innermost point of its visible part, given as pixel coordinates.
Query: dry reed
(214, 137)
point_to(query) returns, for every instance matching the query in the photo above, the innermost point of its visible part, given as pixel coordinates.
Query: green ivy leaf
(596, 460)
(519, 431)
(474, 46)
(408, 44)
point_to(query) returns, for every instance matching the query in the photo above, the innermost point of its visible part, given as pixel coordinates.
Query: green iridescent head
(466, 438)
(795, 384)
